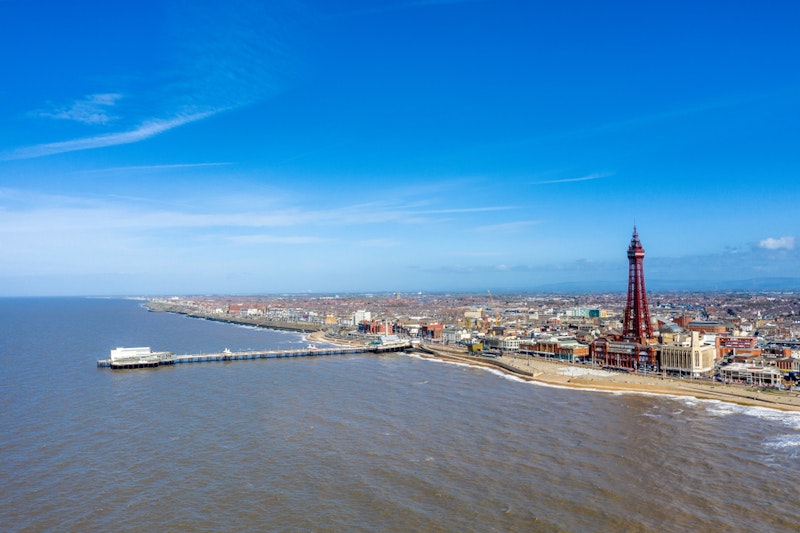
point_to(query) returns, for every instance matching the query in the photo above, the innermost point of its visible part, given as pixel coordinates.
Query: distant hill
(754, 284)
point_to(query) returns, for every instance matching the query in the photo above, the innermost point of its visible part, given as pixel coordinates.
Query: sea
(353, 443)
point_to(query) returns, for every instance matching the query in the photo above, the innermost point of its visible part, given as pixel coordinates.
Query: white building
(454, 335)
(360, 316)
(130, 353)
(752, 375)
(690, 357)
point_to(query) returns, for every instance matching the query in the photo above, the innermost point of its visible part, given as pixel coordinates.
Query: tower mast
(636, 324)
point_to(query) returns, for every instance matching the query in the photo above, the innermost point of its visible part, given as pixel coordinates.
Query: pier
(152, 360)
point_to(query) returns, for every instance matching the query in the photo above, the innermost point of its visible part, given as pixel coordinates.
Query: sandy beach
(587, 378)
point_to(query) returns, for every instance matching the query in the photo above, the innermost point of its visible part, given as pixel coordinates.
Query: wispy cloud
(38, 212)
(379, 243)
(221, 57)
(781, 243)
(91, 109)
(589, 177)
(396, 212)
(483, 209)
(630, 123)
(144, 131)
(507, 227)
(400, 6)
(277, 239)
(472, 253)
(232, 54)
(154, 168)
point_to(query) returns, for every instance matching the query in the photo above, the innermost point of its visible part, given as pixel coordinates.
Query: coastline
(242, 321)
(579, 377)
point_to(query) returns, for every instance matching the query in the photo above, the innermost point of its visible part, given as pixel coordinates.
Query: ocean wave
(417, 356)
(245, 326)
(691, 401)
(784, 441)
(505, 375)
(713, 407)
(720, 408)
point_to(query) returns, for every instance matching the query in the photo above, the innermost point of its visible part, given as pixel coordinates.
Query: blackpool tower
(637, 325)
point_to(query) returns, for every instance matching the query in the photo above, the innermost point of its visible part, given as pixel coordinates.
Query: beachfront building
(690, 358)
(454, 335)
(373, 327)
(431, 331)
(565, 348)
(763, 376)
(788, 364)
(621, 355)
(505, 343)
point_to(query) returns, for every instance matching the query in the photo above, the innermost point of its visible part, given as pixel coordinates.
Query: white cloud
(379, 243)
(153, 168)
(222, 58)
(144, 131)
(508, 227)
(781, 243)
(594, 176)
(91, 109)
(275, 239)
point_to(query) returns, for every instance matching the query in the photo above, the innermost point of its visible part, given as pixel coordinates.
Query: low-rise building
(624, 355)
(567, 348)
(502, 343)
(768, 376)
(706, 326)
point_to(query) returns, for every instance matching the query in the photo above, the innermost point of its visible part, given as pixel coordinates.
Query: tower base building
(622, 355)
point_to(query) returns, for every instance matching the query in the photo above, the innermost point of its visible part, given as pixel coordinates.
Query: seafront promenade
(584, 377)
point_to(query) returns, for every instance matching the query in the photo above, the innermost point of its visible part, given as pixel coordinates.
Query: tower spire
(636, 324)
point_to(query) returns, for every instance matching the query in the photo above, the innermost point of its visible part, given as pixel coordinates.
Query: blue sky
(286, 146)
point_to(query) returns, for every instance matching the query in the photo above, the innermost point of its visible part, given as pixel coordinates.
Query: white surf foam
(784, 441)
(720, 408)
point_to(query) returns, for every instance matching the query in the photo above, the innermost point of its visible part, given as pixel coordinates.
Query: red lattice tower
(637, 313)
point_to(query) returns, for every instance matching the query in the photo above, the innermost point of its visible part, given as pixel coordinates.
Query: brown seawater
(356, 443)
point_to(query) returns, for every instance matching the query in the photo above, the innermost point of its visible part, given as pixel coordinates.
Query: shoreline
(588, 379)
(579, 377)
(296, 327)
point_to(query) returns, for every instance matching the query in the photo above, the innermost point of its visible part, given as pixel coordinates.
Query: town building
(566, 348)
(768, 376)
(687, 358)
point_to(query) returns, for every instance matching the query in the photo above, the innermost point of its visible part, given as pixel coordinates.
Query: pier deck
(246, 356)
